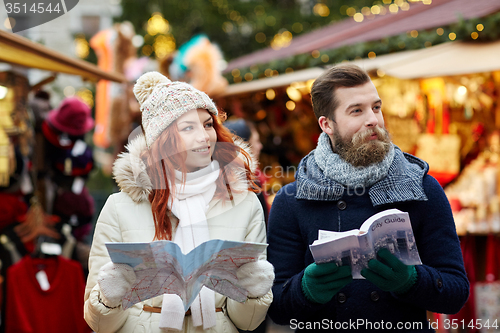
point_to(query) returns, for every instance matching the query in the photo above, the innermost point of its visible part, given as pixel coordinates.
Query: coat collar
(129, 171)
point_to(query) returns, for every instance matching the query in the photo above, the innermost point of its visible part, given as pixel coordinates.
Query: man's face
(358, 134)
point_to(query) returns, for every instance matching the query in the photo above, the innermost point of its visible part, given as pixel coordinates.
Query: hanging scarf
(337, 169)
(190, 204)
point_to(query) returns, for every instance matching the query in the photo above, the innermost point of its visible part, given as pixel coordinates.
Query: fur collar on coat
(129, 171)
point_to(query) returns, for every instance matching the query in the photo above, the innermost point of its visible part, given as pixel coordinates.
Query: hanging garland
(473, 30)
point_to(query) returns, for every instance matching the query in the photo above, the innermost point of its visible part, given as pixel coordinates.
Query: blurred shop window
(91, 24)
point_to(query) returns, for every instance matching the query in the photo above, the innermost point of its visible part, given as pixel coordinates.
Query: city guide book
(162, 268)
(390, 229)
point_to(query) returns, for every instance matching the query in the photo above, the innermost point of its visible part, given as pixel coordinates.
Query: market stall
(45, 209)
(440, 103)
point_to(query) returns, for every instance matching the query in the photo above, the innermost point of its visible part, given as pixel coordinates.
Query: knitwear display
(58, 309)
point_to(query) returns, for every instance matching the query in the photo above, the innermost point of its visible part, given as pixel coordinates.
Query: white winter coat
(127, 217)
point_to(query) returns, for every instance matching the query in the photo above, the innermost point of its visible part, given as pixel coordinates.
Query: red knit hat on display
(73, 116)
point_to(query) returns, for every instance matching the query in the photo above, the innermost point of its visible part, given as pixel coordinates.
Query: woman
(183, 180)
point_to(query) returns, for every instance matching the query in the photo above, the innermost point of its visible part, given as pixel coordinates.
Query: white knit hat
(163, 101)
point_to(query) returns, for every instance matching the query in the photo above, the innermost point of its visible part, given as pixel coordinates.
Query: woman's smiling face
(196, 128)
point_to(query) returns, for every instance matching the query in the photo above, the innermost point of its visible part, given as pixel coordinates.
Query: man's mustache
(361, 137)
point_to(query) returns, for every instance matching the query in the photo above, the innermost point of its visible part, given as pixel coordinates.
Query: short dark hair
(240, 127)
(323, 89)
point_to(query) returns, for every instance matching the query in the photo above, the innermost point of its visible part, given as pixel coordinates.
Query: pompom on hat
(163, 101)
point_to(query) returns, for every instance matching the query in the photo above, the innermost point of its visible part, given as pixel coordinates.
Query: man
(355, 172)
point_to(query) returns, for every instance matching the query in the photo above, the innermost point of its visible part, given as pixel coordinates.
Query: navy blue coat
(442, 285)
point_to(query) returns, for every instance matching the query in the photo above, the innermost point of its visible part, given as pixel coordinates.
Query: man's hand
(389, 273)
(321, 282)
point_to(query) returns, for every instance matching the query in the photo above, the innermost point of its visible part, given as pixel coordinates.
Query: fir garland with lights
(472, 30)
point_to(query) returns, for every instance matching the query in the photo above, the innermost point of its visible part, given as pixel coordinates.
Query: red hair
(161, 168)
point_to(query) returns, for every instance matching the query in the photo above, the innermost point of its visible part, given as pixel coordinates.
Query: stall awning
(273, 82)
(448, 59)
(420, 16)
(21, 51)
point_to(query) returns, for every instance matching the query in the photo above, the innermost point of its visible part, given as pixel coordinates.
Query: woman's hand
(256, 277)
(115, 280)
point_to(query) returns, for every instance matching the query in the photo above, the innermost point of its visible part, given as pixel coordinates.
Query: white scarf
(190, 204)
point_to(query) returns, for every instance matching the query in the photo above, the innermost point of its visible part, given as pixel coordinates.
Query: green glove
(321, 282)
(390, 274)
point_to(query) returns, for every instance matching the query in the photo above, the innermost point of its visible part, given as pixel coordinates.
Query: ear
(326, 125)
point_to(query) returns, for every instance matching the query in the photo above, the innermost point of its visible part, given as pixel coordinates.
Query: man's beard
(359, 150)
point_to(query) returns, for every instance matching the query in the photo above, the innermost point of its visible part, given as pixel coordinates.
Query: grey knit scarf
(337, 169)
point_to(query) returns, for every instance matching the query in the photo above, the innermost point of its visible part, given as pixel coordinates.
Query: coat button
(341, 205)
(341, 298)
(374, 296)
(439, 283)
